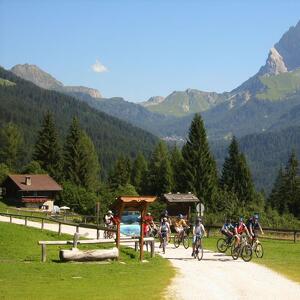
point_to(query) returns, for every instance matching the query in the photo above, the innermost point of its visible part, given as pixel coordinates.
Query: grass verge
(23, 276)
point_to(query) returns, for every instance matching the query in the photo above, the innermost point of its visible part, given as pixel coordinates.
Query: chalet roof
(181, 198)
(39, 182)
(132, 202)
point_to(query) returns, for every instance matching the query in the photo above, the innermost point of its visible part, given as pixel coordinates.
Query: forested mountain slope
(24, 104)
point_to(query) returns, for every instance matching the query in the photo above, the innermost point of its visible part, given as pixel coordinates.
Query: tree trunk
(88, 255)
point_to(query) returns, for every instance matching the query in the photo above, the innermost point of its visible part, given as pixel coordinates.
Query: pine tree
(200, 167)
(47, 151)
(139, 169)
(236, 176)
(177, 164)
(160, 172)
(81, 164)
(120, 175)
(292, 184)
(11, 142)
(275, 198)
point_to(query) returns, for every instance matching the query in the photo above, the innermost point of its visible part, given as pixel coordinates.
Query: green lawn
(23, 276)
(281, 256)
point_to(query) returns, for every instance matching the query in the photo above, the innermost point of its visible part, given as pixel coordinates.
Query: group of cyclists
(163, 229)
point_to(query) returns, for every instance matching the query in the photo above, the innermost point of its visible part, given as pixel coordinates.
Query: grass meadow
(24, 276)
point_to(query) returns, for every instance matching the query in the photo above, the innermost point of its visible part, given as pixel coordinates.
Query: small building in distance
(31, 191)
(180, 204)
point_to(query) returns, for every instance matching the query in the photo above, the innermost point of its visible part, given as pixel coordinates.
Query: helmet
(180, 216)
(165, 219)
(199, 220)
(241, 219)
(148, 214)
(109, 212)
(166, 213)
(256, 216)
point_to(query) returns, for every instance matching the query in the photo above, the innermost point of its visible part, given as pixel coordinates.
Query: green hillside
(191, 101)
(23, 276)
(4, 82)
(280, 86)
(25, 104)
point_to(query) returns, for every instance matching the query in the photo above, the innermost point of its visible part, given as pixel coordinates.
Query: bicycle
(257, 248)
(109, 234)
(182, 237)
(224, 243)
(198, 253)
(243, 249)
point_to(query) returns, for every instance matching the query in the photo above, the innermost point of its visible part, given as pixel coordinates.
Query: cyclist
(109, 218)
(199, 231)
(239, 229)
(180, 225)
(164, 230)
(253, 225)
(228, 230)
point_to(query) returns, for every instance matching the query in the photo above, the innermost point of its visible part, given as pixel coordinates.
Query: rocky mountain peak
(153, 101)
(37, 76)
(44, 80)
(274, 64)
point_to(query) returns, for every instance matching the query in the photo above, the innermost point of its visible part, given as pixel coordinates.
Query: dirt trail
(215, 277)
(220, 277)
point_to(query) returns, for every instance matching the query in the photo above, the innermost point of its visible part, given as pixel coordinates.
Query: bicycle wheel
(199, 251)
(235, 251)
(259, 250)
(176, 241)
(222, 245)
(186, 241)
(246, 253)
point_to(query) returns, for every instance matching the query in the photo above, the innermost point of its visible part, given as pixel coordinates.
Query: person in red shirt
(148, 222)
(239, 229)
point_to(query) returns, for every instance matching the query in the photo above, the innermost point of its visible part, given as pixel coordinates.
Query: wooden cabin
(31, 191)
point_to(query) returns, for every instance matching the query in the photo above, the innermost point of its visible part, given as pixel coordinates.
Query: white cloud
(98, 67)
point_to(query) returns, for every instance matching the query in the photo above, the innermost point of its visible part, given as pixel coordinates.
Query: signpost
(200, 209)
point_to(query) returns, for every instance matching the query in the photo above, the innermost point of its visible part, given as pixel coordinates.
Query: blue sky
(144, 48)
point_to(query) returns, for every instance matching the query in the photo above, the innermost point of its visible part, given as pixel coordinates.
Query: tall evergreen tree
(120, 175)
(81, 165)
(47, 151)
(11, 142)
(200, 167)
(292, 184)
(160, 172)
(236, 176)
(139, 169)
(177, 164)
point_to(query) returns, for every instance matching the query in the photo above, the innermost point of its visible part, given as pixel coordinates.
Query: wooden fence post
(59, 228)
(77, 228)
(152, 248)
(25, 221)
(98, 233)
(295, 236)
(42, 224)
(44, 254)
(10, 219)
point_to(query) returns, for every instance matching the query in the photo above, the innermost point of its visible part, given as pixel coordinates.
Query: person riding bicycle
(253, 225)
(109, 219)
(198, 231)
(164, 230)
(239, 229)
(228, 230)
(180, 225)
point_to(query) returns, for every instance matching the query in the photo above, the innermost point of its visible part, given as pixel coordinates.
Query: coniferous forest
(96, 158)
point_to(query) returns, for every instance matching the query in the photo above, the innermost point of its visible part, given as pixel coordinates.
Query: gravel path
(220, 277)
(215, 277)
